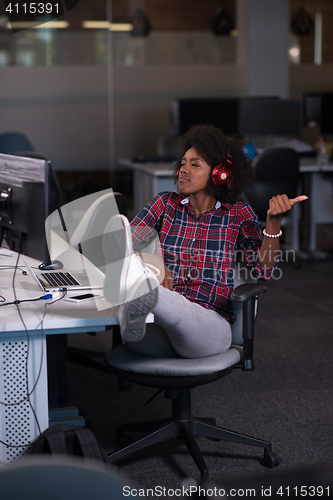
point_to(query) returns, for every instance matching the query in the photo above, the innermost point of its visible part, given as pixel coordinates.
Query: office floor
(287, 400)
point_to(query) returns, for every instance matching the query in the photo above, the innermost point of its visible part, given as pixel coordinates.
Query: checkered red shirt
(201, 253)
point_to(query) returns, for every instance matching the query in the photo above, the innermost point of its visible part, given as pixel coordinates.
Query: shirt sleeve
(146, 224)
(250, 239)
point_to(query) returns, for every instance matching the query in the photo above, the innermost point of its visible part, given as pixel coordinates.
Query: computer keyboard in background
(59, 279)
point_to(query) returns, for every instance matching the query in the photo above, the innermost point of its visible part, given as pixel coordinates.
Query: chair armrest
(243, 293)
(248, 294)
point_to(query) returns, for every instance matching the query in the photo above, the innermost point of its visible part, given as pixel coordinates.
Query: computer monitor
(318, 110)
(280, 117)
(222, 113)
(226, 113)
(28, 195)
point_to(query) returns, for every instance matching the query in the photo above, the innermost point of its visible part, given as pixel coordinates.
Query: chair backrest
(87, 237)
(242, 274)
(277, 172)
(13, 142)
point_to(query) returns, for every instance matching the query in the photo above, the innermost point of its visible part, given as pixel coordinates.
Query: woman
(201, 228)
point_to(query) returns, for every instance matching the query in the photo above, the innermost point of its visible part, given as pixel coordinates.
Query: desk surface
(151, 168)
(61, 317)
(310, 165)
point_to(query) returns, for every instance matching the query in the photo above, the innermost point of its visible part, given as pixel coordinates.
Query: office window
(312, 20)
(66, 42)
(180, 32)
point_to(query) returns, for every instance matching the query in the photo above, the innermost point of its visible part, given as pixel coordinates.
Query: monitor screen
(318, 110)
(222, 113)
(226, 113)
(280, 117)
(28, 195)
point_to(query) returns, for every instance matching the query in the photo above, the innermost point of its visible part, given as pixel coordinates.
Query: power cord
(16, 302)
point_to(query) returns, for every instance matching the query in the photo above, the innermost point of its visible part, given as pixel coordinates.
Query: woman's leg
(154, 343)
(185, 328)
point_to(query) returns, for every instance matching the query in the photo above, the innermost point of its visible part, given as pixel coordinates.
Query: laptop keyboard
(59, 279)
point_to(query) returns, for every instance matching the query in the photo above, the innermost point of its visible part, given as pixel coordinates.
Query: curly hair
(213, 146)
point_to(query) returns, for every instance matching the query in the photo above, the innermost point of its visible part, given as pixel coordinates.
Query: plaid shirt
(201, 253)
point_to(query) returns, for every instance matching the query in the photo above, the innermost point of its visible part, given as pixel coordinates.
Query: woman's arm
(165, 278)
(278, 206)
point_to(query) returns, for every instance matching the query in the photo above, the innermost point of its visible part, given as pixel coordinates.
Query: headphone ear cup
(221, 175)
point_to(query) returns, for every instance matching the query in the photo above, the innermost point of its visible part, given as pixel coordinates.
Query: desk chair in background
(277, 172)
(14, 142)
(177, 376)
(60, 478)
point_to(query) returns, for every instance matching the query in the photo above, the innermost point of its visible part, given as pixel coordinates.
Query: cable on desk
(16, 302)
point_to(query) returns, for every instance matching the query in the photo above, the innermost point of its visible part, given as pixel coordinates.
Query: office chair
(178, 376)
(60, 478)
(14, 142)
(277, 172)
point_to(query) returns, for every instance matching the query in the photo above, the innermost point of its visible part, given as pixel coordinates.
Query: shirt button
(193, 239)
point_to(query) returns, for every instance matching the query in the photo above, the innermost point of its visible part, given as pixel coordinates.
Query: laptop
(76, 274)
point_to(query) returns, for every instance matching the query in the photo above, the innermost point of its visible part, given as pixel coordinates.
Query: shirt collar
(218, 204)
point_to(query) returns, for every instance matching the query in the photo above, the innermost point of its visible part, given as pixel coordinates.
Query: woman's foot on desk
(129, 283)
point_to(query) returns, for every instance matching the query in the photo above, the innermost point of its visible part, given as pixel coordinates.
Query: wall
(62, 110)
(142, 110)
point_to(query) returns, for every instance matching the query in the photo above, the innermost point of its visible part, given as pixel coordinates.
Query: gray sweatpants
(183, 328)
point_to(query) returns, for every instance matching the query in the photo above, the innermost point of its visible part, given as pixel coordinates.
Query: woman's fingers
(280, 204)
(303, 197)
(168, 279)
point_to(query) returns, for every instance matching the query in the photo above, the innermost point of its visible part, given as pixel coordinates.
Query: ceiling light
(222, 23)
(106, 25)
(30, 24)
(121, 27)
(302, 24)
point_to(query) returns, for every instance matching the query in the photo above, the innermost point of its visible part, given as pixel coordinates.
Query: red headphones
(222, 173)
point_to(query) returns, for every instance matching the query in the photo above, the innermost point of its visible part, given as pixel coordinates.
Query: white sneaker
(129, 282)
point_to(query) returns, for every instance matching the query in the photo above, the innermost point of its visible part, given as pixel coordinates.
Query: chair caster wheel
(124, 385)
(123, 439)
(271, 459)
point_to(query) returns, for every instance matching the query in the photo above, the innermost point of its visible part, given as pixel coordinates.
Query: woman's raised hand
(281, 204)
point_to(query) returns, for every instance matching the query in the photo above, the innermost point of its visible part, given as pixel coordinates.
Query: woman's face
(193, 174)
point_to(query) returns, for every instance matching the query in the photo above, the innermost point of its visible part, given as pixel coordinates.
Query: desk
(152, 178)
(149, 179)
(319, 209)
(23, 351)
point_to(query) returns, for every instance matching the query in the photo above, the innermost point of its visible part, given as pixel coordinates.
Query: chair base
(183, 426)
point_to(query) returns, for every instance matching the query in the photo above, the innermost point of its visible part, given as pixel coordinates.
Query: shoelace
(143, 266)
(154, 269)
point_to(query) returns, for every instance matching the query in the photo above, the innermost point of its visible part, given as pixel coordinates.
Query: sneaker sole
(134, 313)
(117, 247)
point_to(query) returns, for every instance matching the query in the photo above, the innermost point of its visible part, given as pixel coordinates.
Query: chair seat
(123, 359)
